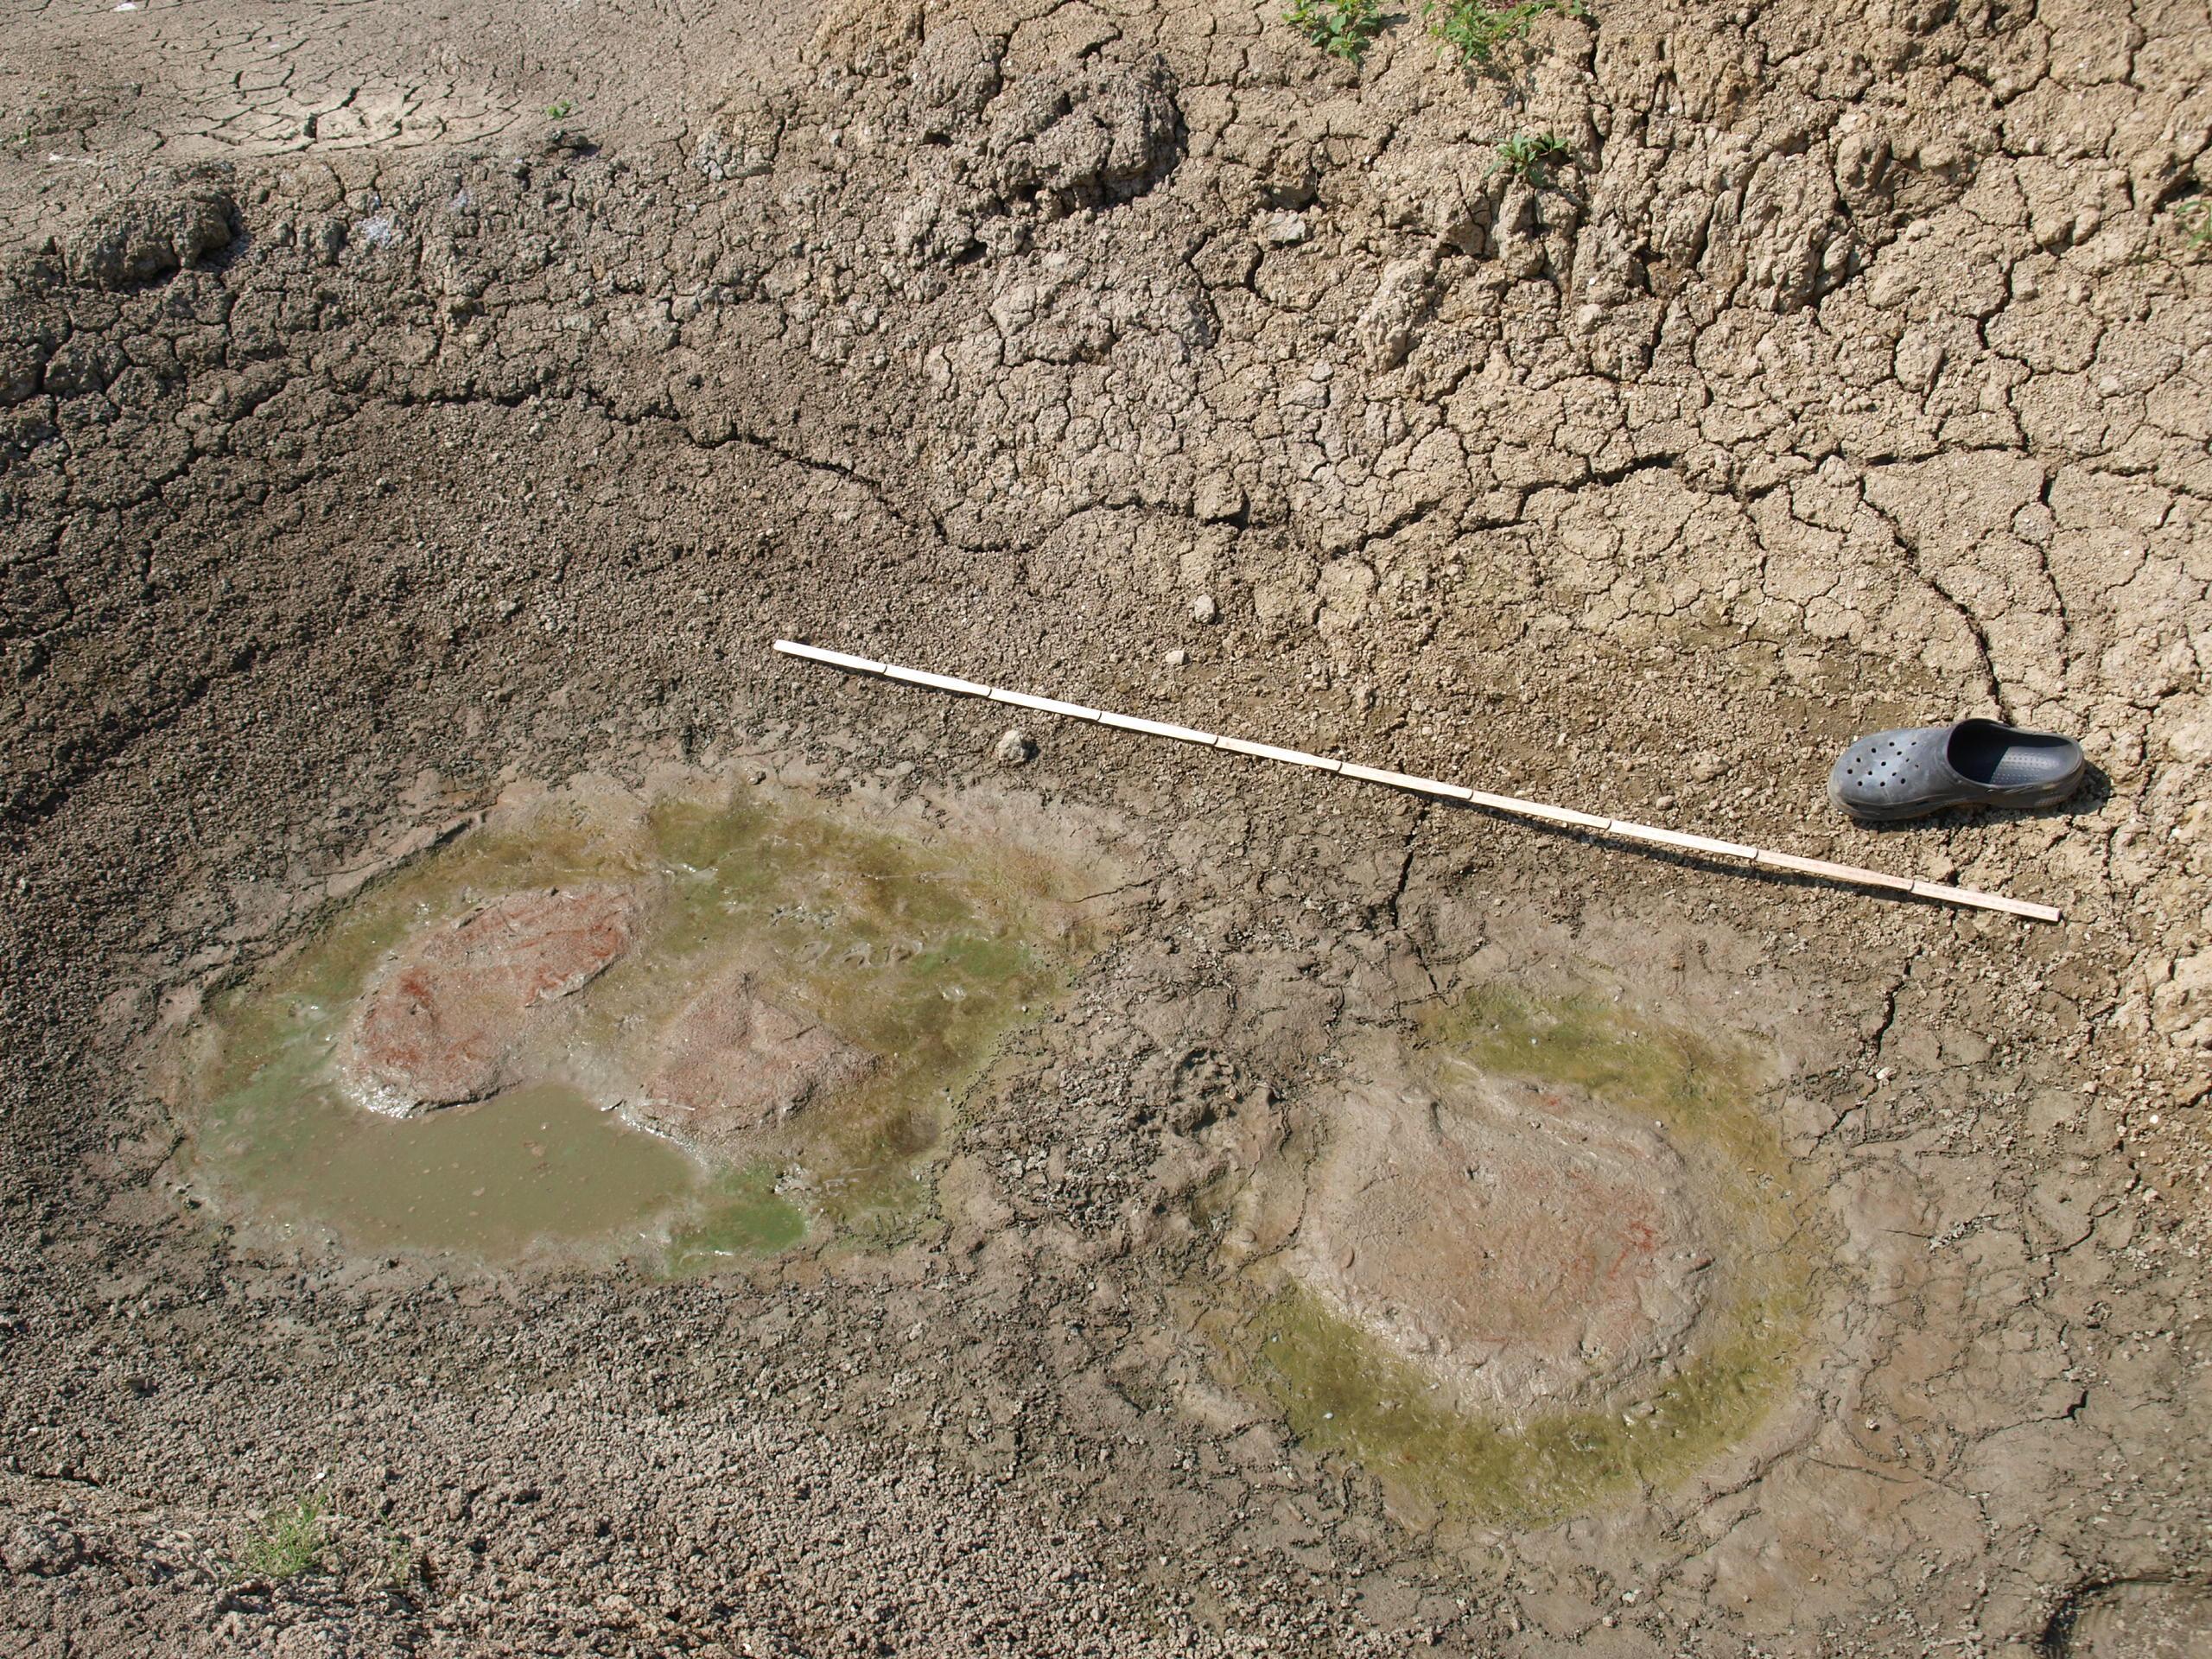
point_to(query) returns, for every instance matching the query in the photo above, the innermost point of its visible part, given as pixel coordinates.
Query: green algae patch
(1416, 1414)
(743, 1217)
(1342, 1391)
(923, 957)
(1701, 1090)
(699, 1031)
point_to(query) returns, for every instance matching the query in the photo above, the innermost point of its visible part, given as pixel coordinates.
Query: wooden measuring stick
(1757, 858)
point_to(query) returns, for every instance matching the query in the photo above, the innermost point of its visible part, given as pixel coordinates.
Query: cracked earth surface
(373, 438)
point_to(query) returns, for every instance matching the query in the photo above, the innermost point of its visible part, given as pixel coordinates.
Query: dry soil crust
(1855, 371)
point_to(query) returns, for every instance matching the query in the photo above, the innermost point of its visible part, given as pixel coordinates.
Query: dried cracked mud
(531, 1124)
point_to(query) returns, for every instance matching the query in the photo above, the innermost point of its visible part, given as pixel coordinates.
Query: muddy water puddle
(535, 1164)
(695, 1029)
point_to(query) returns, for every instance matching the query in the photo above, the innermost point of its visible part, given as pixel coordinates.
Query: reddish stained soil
(1524, 1251)
(733, 1060)
(442, 1024)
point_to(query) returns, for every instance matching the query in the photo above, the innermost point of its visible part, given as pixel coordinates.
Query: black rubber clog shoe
(1907, 774)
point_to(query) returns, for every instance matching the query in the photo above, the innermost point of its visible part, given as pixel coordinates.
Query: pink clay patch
(1525, 1247)
(732, 1060)
(444, 1022)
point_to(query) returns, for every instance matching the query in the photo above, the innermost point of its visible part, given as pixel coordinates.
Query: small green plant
(1530, 156)
(289, 1541)
(557, 110)
(2194, 215)
(1343, 28)
(1475, 33)
(400, 1564)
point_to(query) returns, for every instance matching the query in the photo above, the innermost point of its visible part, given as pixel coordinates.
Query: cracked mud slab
(372, 437)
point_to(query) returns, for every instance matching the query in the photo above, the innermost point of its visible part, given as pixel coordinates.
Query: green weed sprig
(1476, 32)
(2194, 215)
(1530, 156)
(1343, 28)
(289, 1541)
